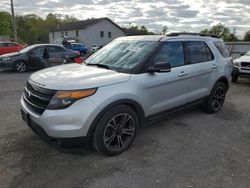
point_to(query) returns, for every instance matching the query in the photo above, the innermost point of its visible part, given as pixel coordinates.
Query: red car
(10, 47)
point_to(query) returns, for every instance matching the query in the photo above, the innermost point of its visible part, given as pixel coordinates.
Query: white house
(90, 32)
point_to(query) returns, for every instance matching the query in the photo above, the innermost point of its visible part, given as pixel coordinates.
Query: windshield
(28, 48)
(122, 55)
(248, 53)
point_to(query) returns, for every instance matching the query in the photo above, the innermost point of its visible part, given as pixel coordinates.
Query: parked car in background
(128, 81)
(94, 48)
(9, 47)
(38, 56)
(241, 67)
(81, 48)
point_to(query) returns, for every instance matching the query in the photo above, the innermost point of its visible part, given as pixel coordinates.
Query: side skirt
(164, 114)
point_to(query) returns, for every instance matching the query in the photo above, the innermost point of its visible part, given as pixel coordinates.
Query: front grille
(245, 64)
(37, 98)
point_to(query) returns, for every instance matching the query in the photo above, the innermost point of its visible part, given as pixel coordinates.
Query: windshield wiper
(99, 65)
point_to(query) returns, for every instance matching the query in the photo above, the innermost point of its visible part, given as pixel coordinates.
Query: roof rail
(195, 34)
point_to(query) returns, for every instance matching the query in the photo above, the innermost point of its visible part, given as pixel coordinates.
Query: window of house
(62, 34)
(172, 53)
(53, 34)
(66, 33)
(197, 52)
(109, 34)
(102, 34)
(77, 33)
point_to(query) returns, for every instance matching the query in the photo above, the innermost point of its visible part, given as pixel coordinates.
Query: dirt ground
(189, 149)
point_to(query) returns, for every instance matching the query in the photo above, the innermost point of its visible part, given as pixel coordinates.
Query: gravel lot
(190, 149)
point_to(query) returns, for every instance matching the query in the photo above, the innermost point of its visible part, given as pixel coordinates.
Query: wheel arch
(129, 102)
(224, 80)
(22, 60)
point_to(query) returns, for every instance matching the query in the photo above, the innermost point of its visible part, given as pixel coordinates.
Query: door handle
(182, 73)
(214, 66)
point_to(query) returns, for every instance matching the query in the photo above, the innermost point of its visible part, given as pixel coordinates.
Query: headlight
(64, 99)
(236, 63)
(6, 58)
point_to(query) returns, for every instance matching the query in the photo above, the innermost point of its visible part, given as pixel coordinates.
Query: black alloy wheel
(116, 130)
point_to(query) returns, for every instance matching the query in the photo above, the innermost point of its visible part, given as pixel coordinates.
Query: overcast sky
(177, 15)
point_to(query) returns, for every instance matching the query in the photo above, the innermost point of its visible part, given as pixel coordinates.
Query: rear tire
(116, 130)
(235, 78)
(216, 98)
(20, 66)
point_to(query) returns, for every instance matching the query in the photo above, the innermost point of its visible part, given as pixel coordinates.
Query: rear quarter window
(222, 49)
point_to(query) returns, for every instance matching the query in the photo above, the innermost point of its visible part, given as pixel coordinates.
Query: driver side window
(38, 52)
(172, 53)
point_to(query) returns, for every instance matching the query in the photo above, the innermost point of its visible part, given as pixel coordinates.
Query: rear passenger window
(197, 52)
(56, 49)
(172, 53)
(11, 44)
(3, 45)
(222, 49)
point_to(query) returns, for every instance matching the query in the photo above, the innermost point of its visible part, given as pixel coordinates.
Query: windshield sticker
(133, 48)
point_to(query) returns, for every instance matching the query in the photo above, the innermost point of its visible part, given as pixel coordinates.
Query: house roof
(81, 24)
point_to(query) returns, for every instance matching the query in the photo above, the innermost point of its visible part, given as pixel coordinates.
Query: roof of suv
(171, 36)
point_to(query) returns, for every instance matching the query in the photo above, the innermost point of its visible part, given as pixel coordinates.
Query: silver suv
(132, 79)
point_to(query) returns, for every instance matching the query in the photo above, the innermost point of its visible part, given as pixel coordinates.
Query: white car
(94, 48)
(241, 67)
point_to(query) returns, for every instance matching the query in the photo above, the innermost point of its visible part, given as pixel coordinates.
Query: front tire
(20, 66)
(216, 98)
(116, 130)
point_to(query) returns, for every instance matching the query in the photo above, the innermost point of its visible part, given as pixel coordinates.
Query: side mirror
(160, 67)
(243, 53)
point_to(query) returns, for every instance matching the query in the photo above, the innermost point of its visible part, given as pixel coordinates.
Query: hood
(10, 54)
(244, 58)
(76, 76)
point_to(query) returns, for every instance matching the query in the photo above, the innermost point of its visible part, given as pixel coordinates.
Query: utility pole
(13, 20)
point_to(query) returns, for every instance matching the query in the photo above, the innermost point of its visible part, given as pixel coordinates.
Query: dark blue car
(79, 47)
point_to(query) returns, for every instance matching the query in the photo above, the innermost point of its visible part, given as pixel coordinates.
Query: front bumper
(240, 71)
(68, 142)
(72, 122)
(6, 65)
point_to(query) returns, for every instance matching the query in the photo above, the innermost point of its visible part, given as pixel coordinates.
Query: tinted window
(222, 49)
(38, 51)
(11, 44)
(197, 52)
(55, 49)
(172, 53)
(3, 44)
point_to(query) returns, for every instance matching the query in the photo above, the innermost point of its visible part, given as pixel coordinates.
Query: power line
(13, 20)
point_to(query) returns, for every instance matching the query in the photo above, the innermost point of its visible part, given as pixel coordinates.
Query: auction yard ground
(189, 149)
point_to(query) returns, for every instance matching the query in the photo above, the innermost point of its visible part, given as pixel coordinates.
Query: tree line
(33, 29)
